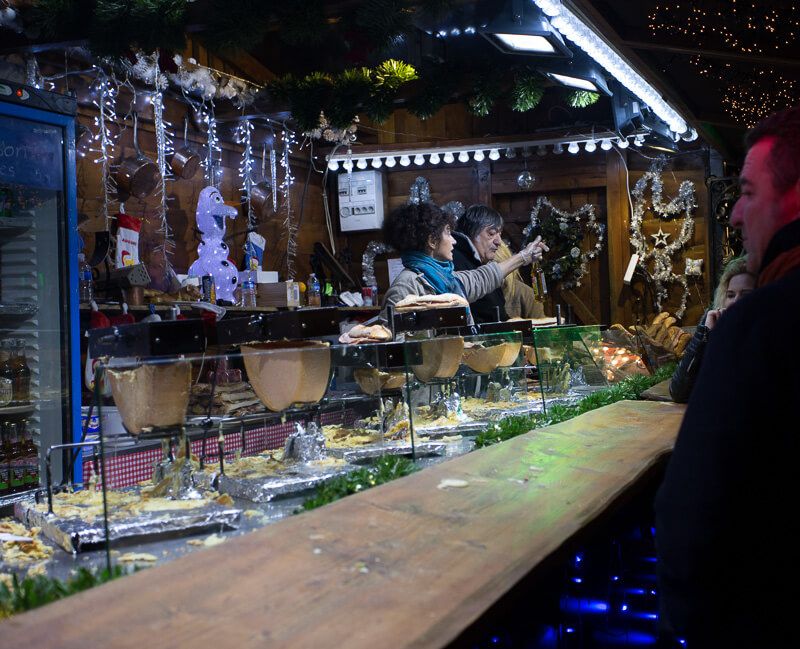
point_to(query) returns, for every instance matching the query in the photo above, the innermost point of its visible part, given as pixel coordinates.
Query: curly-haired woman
(422, 234)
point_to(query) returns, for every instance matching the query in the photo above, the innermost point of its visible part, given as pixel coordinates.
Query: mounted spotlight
(661, 143)
(434, 158)
(606, 145)
(590, 146)
(541, 150)
(463, 156)
(581, 73)
(522, 28)
(494, 154)
(405, 160)
(333, 165)
(390, 162)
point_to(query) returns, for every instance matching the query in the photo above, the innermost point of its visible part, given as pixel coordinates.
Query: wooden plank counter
(406, 564)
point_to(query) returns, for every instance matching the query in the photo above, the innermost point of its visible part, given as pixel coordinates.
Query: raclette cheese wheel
(440, 358)
(283, 373)
(153, 395)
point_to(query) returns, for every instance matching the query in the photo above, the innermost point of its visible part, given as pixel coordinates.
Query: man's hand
(534, 250)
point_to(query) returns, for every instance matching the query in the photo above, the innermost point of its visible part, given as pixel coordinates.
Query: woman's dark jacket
(680, 387)
(466, 258)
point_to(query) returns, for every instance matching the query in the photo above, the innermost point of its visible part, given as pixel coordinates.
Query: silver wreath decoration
(420, 191)
(564, 218)
(684, 203)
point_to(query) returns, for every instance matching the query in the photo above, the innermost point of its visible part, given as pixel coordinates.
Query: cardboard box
(278, 294)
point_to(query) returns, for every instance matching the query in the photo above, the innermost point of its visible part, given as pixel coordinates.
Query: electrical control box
(361, 200)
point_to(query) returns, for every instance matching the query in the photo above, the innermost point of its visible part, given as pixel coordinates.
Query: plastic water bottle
(314, 295)
(249, 287)
(85, 290)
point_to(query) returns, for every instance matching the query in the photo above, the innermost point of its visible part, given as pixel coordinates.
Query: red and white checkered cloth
(127, 469)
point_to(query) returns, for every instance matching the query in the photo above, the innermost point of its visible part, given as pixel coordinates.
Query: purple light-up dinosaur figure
(213, 251)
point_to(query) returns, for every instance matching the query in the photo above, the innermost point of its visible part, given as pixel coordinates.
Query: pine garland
(439, 83)
(384, 22)
(582, 98)
(527, 91)
(485, 93)
(148, 25)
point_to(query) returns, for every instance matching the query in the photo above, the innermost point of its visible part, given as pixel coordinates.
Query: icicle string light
(105, 100)
(243, 136)
(212, 147)
(164, 147)
(273, 177)
(289, 227)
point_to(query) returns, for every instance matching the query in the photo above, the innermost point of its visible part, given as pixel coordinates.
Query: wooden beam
(580, 309)
(618, 234)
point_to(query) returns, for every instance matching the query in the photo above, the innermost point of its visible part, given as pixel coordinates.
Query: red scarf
(782, 265)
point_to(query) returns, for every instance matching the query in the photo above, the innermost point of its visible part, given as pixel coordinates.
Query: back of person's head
(409, 227)
(736, 266)
(783, 128)
(476, 219)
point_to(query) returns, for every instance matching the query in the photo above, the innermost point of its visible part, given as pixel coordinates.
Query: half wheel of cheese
(283, 373)
(440, 358)
(483, 359)
(151, 395)
(510, 352)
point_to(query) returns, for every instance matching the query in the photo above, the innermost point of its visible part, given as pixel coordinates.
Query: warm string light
(243, 136)
(290, 228)
(661, 252)
(748, 28)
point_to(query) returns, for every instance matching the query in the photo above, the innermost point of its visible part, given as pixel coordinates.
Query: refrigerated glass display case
(39, 361)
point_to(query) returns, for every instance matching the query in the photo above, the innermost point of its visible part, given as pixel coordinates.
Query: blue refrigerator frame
(70, 263)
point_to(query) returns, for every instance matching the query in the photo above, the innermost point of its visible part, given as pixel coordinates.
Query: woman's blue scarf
(438, 273)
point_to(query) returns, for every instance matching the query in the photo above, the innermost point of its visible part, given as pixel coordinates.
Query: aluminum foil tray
(468, 427)
(367, 453)
(77, 535)
(299, 478)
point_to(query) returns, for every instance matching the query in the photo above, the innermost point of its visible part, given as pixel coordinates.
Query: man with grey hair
(477, 238)
(726, 511)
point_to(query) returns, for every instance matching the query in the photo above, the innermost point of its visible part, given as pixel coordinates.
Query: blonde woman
(735, 283)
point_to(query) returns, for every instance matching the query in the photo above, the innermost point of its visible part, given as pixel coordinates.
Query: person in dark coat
(726, 513)
(477, 238)
(735, 283)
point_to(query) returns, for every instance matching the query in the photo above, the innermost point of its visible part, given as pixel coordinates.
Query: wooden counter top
(406, 564)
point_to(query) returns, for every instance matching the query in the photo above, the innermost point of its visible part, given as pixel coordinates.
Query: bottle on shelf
(31, 455)
(16, 369)
(6, 380)
(249, 284)
(5, 461)
(314, 294)
(538, 283)
(85, 289)
(16, 459)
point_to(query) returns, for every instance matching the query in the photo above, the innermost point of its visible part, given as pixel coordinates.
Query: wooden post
(618, 235)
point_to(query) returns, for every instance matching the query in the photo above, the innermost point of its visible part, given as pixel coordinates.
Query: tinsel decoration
(581, 98)
(420, 192)
(485, 93)
(563, 232)
(105, 94)
(661, 252)
(454, 209)
(243, 136)
(527, 91)
(163, 149)
(289, 227)
(374, 248)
